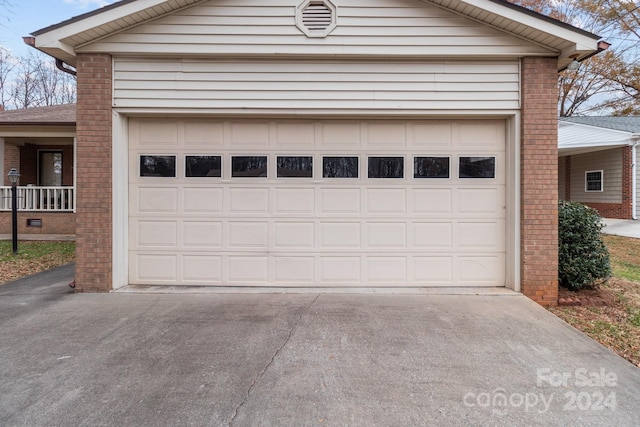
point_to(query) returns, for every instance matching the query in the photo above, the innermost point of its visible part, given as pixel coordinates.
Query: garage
(316, 203)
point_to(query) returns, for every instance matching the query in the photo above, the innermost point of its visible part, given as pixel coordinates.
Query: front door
(50, 174)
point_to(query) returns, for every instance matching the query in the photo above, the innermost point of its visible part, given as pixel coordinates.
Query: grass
(617, 325)
(33, 257)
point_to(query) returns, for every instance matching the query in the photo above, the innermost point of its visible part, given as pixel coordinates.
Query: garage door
(317, 203)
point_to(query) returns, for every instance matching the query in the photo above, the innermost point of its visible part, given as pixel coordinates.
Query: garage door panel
(433, 270)
(202, 269)
(315, 230)
(386, 201)
(298, 271)
(432, 201)
(480, 270)
(248, 269)
(295, 135)
(489, 236)
(340, 235)
(386, 270)
(248, 234)
(294, 235)
(342, 270)
(480, 201)
(339, 135)
(157, 234)
(155, 200)
(433, 135)
(248, 200)
(202, 234)
(386, 235)
(340, 200)
(202, 200)
(155, 268)
(294, 201)
(432, 235)
(199, 134)
(246, 134)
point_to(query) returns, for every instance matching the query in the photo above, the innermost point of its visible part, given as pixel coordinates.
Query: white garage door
(317, 203)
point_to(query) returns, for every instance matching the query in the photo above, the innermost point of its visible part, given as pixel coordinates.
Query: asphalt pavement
(306, 359)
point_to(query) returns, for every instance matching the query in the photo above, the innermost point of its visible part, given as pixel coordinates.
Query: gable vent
(316, 18)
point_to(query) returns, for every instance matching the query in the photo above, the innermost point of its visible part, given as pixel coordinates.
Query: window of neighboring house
(593, 181)
(50, 168)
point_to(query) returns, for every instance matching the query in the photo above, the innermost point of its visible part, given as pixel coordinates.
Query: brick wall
(29, 162)
(94, 189)
(52, 223)
(11, 160)
(539, 178)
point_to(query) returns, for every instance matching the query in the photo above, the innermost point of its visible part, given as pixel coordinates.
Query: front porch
(40, 144)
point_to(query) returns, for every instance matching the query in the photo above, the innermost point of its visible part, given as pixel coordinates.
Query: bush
(583, 256)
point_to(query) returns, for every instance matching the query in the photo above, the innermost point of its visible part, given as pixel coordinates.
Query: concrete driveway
(128, 359)
(621, 227)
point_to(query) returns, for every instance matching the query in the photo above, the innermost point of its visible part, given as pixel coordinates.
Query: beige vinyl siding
(561, 178)
(345, 85)
(378, 27)
(610, 162)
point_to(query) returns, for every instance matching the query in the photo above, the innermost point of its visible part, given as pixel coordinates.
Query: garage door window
(295, 167)
(477, 167)
(386, 167)
(158, 166)
(431, 167)
(340, 167)
(249, 166)
(203, 166)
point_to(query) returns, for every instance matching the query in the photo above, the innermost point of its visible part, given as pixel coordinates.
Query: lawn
(616, 324)
(33, 257)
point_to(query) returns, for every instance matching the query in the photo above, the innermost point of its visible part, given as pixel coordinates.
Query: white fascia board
(51, 39)
(578, 135)
(581, 41)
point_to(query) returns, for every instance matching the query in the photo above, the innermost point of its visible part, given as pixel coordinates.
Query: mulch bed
(597, 297)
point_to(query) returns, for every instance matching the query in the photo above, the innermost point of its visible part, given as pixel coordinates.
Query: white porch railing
(34, 198)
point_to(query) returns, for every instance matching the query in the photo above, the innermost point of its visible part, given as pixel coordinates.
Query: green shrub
(583, 258)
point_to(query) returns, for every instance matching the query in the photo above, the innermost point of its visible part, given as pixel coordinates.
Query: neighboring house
(39, 143)
(297, 143)
(597, 164)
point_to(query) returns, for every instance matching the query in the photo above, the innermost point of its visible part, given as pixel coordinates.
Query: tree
(33, 81)
(607, 83)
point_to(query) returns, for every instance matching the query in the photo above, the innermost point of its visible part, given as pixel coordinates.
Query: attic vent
(316, 18)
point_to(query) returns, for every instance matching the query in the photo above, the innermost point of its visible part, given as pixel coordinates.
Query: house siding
(610, 162)
(562, 179)
(319, 85)
(539, 181)
(94, 180)
(378, 27)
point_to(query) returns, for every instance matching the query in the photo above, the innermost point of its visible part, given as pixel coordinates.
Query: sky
(22, 17)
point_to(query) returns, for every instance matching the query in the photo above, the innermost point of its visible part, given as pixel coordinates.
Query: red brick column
(94, 159)
(539, 180)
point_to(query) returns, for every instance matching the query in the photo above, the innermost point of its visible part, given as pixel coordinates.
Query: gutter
(602, 46)
(60, 64)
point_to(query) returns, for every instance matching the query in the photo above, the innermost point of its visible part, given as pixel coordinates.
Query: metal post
(14, 177)
(14, 216)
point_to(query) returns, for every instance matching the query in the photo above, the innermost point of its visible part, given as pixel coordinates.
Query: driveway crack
(277, 352)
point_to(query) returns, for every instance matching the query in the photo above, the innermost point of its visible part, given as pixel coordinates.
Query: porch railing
(35, 198)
